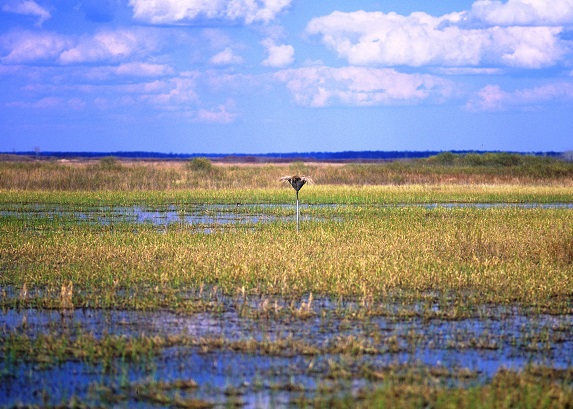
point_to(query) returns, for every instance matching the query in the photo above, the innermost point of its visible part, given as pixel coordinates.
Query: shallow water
(190, 215)
(212, 215)
(498, 337)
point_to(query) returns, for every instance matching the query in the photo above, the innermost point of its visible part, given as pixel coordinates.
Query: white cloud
(361, 86)
(107, 45)
(217, 81)
(489, 98)
(493, 98)
(226, 57)
(468, 71)
(523, 12)
(29, 8)
(54, 103)
(222, 114)
(279, 55)
(175, 92)
(104, 46)
(376, 38)
(27, 46)
(130, 70)
(185, 11)
(140, 69)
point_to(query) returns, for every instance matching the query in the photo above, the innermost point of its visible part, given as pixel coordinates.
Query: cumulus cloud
(376, 38)
(104, 46)
(186, 11)
(523, 12)
(182, 96)
(279, 55)
(29, 8)
(226, 57)
(489, 98)
(361, 86)
(494, 98)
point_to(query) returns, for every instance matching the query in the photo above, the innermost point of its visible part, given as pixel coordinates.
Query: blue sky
(259, 76)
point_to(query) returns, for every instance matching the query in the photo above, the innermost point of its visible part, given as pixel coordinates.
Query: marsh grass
(113, 174)
(66, 295)
(508, 389)
(52, 348)
(317, 194)
(334, 362)
(363, 256)
(499, 255)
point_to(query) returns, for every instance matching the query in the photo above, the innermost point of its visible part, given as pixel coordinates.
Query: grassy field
(364, 239)
(112, 174)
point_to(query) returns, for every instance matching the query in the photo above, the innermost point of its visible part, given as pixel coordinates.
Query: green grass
(283, 194)
(500, 255)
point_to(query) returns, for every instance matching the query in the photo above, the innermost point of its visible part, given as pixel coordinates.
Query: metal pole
(297, 211)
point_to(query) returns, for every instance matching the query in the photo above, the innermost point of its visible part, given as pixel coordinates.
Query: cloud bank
(187, 11)
(493, 37)
(376, 38)
(361, 86)
(523, 12)
(493, 98)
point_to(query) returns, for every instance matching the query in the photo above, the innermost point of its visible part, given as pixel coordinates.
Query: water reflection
(218, 214)
(209, 214)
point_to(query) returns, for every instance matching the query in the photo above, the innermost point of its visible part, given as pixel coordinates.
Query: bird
(296, 181)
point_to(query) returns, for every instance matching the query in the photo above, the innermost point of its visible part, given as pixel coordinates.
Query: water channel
(217, 214)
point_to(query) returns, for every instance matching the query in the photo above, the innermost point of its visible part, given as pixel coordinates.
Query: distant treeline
(244, 157)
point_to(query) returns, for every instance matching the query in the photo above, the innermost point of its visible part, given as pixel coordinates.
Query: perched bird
(296, 181)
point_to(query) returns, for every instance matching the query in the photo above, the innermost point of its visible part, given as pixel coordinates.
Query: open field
(187, 285)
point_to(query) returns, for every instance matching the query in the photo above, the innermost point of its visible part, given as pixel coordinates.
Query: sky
(263, 76)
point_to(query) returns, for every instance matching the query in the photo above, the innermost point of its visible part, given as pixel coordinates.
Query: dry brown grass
(107, 174)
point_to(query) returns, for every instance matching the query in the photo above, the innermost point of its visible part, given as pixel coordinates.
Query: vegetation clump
(199, 164)
(109, 163)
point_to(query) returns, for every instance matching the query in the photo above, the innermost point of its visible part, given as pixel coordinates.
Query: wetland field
(436, 283)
